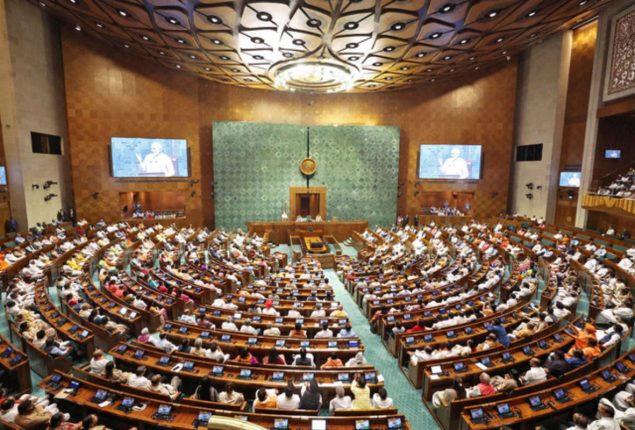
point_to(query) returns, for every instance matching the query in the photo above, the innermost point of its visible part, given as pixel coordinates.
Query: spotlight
(530, 185)
(570, 195)
(529, 196)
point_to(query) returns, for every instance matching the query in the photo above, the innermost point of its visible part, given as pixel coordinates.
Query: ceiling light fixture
(144, 37)
(217, 42)
(122, 13)
(257, 40)
(447, 57)
(389, 48)
(352, 25)
(398, 27)
(447, 8)
(352, 45)
(435, 35)
(172, 21)
(181, 41)
(161, 52)
(99, 25)
(464, 41)
(421, 54)
(314, 76)
(264, 16)
(78, 28)
(314, 23)
(377, 64)
(493, 13)
(583, 2)
(178, 66)
(532, 13)
(125, 45)
(499, 40)
(214, 19)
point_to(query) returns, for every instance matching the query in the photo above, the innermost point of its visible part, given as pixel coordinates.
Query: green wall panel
(255, 164)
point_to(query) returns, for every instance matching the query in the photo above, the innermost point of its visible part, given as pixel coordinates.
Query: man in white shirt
(139, 380)
(325, 332)
(164, 344)
(535, 374)
(271, 331)
(606, 420)
(229, 325)
(248, 328)
(288, 401)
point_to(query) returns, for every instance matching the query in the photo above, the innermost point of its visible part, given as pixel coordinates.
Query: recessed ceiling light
(504, 52)
(217, 42)
(73, 1)
(377, 64)
(352, 25)
(532, 35)
(193, 57)
(78, 28)
(421, 54)
(161, 52)
(248, 80)
(429, 70)
(447, 8)
(181, 41)
(144, 37)
(353, 58)
(405, 68)
(125, 45)
(435, 35)
(172, 20)
(493, 13)
(499, 40)
(388, 78)
(314, 23)
(235, 70)
(464, 41)
(207, 69)
(398, 27)
(476, 67)
(287, 54)
(99, 25)
(42, 4)
(264, 16)
(389, 48)
(122, 12)
(447, 57)
(451, 70)
(224, 57)
(214, 19)
(372, 86)
(472, 58)
(178, 66)
(583, 2)
(298, 42)
(257, 57)
(352, 45)
(257, 40)
(532, 13)
(432, 80)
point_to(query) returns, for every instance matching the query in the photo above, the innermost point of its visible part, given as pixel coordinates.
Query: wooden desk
(183, 415)
(16, 363)
(279, 230)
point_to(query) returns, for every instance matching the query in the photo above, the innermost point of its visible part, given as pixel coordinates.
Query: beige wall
(542, 85)
(36, 102)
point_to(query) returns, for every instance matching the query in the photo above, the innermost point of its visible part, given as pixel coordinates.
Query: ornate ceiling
(383, 44)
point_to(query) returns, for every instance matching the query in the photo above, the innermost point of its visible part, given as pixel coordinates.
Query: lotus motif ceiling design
(377, 45)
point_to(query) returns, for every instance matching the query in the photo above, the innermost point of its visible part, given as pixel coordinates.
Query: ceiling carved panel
(383, 44)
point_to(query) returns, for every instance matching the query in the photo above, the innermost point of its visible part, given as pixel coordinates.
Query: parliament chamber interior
(317, 214)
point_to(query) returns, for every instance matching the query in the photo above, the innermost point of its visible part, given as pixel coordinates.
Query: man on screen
(156, 163)
(454, 166)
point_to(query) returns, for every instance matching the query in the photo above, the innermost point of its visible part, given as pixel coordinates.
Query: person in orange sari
(592, 351)
(332, 362)
(582, 337)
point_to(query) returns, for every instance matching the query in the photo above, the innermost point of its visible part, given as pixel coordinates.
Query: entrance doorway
(307, 202)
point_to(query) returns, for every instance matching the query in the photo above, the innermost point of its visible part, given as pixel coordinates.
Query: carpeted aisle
(404, 395)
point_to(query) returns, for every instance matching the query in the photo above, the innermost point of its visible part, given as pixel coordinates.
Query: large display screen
(134, 157)
(570, 179)
(3, 175)
(450, 162)
(612, 153)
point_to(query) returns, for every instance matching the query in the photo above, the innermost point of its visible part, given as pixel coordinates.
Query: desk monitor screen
(245, 373)
(606, 374)
(305, 344)
(370, 376)
(139, 354)
(167, 326)
(205, 334)
(318, 425)
(343, 377)
(204, 417)
(362, 424)
(612, 153)
(353, 344)
(133, 157)
(585, 384)
(279, 320)
(390, 318)
(527, 350)
(299, 321)
(280, 343)
(477, 413)
(394, 423)
(164, 360)
(188, 365)
(450, 162)
(183, 330)
(308, 377)
(502, 408)
(332, 344)
(621, 367)
(559, 393)
(74, 385)
(486, 361)
(459, 367)
(277, 376)
(281, 423)
(468, 330)
(257, 318)
(217, 370)
(127, 402)
(557, 337)
(252, 341)
(450, 334)
(436, 370)
(101, 395)
(507, 356)
(410, 339)
(407, 317)
(535, 401)
(226, 338)
(427, 338)
(56, 378)
(164, 410)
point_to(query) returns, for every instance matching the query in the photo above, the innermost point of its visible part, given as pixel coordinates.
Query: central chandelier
(314, 76)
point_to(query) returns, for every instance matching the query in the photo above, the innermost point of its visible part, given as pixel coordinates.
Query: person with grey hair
(156, 162)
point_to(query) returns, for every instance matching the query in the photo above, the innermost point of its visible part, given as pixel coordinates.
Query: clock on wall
(308, 166)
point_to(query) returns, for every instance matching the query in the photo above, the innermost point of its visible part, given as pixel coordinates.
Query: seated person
(231, 396)
(381, 400)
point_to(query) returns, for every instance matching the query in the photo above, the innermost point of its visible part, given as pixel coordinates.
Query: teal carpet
(405, 397)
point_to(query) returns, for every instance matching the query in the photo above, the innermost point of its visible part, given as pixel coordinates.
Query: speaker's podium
(318, 239)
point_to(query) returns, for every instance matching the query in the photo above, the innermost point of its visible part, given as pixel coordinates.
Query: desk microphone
(518, 413)
(550, 404)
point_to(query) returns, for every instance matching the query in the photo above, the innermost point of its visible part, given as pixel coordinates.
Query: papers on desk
(434, 377)
(104, 403)
(481, 366)
(177, 368)
(380, 378)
